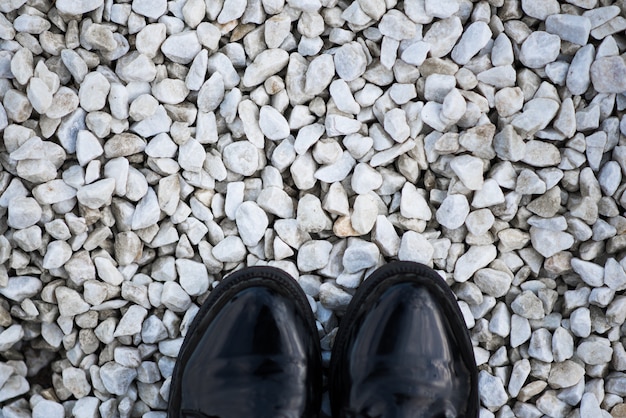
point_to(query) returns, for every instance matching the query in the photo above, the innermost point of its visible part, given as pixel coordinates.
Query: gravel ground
(151, 147)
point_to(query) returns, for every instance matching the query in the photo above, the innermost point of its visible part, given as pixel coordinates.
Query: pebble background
(150, 147)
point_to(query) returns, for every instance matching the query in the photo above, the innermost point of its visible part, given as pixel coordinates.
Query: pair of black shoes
(402, 350)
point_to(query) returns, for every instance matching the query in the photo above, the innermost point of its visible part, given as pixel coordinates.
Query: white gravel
(151, 147)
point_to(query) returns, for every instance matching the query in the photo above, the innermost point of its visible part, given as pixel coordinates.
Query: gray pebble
(117, 378)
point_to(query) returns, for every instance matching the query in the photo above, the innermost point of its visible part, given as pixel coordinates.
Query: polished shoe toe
(403, 350)
(251, 351)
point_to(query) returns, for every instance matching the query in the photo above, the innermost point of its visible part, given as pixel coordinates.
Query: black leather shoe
(403, 350)
(251, 351)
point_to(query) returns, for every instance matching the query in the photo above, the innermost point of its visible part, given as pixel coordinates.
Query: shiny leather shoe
(251, 351)
(403, 350)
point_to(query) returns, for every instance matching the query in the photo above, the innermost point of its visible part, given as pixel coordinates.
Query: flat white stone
(589, 405)
(241, 157)
(88, 147)
(443, 36)
(276, 201)
(520, 330)
(75, 380)
(365, 211)
(594, 352)
(385, 236)
(10, 336)
(191, 155)
(333, 297)
(453, 107)
(117, 378)
(337, 125)
(319, 74)
(158, 122)
(149, 39)
(313, 255)
(273, 124)
(76, 7)
(147, 211)
(477, 257)
(230, 249)
(308, 136)
(350, 61)
(499, 77)
(93, 92)
(365, 179)
(107, 271)
(578, 74)
(15, 385)
(97, 194)
(148, 8)
(396, 126)
(131, 322)
(589, 272)
(336, 200)
(540, 9)
(219, 62)
(232, 9)
(311, 216)
(491, 389)
(372, 8)
(437, 86)
(343, 98)
(17, 106)
(252, 222)
(48, 409)
(416, 53)
(276, 30)
(549, 243)
(502, 51)
(336, 171)
(562, 344)
(211, 93)
(360, 255)
(431, 116)
(21, 287)
(521, 371)
(75, 64)
(540, 48)
(23, 212)
(193, 276)
(570, 28)
(249, 115)
(441, 9)
(469, 170)
(479, 221)
(474, 38)
(70, 302)
(182, 47)
(57, 254)
(536, 116)
(396, 25)
(528, 305)
(39, 95)
(325, 152)
(208, 35)
(170, 91)
(266, 64)
(453, 211)
(413, 204)
(614, 275)
(402, 93)
(415, 247)
(606, 75)
(540, 346)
